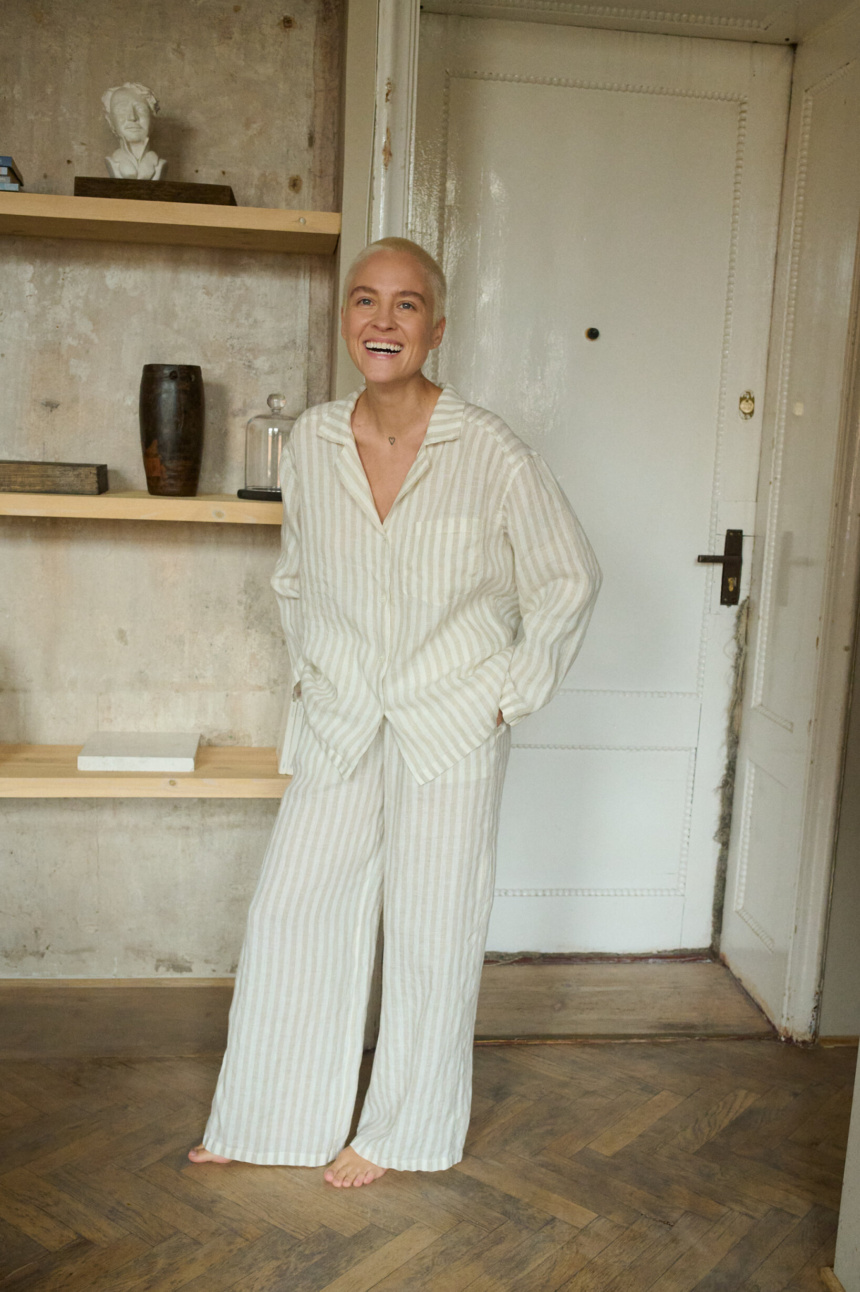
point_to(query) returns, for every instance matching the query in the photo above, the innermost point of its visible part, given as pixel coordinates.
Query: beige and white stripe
(473, 595)
(406, 637)
(342, 847)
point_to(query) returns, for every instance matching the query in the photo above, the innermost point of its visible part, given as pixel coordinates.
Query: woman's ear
(438, 333)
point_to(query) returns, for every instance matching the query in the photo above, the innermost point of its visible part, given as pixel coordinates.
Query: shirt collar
(445, 422)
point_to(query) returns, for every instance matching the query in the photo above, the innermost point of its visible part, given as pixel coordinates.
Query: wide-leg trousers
(341, 849)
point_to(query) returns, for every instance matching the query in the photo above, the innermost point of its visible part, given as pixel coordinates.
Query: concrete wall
(129, 625)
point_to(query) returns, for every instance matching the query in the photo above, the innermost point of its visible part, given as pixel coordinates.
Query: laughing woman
(434, 587)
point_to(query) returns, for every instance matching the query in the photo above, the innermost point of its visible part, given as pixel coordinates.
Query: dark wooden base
(260, 495)
(53, 477)
(155, 190)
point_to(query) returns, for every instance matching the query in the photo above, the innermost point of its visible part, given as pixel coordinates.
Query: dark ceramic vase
(171, 427)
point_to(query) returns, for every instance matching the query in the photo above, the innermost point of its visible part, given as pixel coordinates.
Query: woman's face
(387, 321)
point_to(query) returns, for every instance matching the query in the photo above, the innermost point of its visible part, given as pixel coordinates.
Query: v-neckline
(412, 465)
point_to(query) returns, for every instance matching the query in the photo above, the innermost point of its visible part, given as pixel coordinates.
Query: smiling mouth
(383, 347)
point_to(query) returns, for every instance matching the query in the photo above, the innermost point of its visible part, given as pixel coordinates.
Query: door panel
(572, 179)
(788, 764)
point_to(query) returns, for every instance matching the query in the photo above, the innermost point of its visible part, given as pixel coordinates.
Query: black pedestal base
(260, 495)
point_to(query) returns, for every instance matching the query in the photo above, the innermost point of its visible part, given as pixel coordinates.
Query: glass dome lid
(264, 438)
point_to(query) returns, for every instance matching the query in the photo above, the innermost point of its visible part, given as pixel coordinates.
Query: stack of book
(10, 176)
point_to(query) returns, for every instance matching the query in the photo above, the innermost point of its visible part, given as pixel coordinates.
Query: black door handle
(732, 563)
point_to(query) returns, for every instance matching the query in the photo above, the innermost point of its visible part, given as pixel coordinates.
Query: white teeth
(383, 347)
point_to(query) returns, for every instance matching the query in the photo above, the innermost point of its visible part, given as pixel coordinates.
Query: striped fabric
(473, 595)
(287, 1086)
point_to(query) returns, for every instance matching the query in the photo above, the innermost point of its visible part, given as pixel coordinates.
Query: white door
(572, 179)
(800, 627)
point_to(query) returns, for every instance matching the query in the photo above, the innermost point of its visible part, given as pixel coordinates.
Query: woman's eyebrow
(371, 290)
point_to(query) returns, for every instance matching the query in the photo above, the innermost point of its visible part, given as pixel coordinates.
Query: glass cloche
(264, 439)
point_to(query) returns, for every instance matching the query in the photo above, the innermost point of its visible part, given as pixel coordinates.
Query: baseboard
(178, 981)
(830, 1281)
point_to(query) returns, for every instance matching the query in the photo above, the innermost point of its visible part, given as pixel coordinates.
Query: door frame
(828, 714)
(377, 196)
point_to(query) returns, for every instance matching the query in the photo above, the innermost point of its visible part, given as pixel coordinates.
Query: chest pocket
(444, 560)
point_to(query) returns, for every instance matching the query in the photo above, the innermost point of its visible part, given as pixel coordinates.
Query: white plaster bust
(129, 109)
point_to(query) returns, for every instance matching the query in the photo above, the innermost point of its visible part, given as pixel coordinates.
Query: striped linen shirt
(472, 596)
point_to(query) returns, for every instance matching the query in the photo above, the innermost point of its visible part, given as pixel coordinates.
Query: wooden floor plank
(560, 1266)
(682, 1166)
(628, 1249)
(514, 1268)
(271, 1261)
(666, 1249)
(167, 1266)
(600, 998)
(511, 1179)
(84, 1221)
(539, 999)
(789, 1257)
(691, 1267)
(422, 1270)
(30, 1219)
(78, 1268)
(182, 1185)
(629, 1128)
(746, 1257)
(366, 1273)
(17, 1249)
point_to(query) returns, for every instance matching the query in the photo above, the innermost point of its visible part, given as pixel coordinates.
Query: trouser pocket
(291, 731)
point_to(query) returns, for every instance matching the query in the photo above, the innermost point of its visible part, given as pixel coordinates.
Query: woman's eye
(407, 305)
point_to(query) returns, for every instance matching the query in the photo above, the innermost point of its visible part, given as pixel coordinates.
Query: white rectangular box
(139, 751)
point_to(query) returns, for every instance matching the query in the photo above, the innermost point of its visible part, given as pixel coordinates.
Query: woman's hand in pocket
(500, 719)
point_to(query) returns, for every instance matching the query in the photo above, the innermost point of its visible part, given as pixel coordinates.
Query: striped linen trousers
(340, 849)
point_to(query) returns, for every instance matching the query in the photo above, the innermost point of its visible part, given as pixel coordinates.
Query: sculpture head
(128, 111)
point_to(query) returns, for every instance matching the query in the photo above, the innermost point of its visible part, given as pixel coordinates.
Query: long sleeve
(285, 579)
(557, 578)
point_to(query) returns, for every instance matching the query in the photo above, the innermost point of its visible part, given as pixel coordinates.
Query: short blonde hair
(432, 270)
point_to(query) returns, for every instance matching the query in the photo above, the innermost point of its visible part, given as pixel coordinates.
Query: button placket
(385, 654)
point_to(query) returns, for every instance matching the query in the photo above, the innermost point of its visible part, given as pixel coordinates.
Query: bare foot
(349, 1169)
(201, 1154)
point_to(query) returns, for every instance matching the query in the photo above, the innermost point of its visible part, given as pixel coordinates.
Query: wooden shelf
(50, 772)
(220, 508)
(187, 224)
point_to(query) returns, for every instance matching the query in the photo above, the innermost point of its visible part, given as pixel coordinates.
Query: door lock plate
(732, 562)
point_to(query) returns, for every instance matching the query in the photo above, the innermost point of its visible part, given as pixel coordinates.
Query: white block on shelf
(139, 751)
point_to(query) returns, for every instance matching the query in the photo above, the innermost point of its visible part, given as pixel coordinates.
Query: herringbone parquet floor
(612, 1167)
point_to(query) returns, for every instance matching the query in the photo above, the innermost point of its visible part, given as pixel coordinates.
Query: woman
(434, 586)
